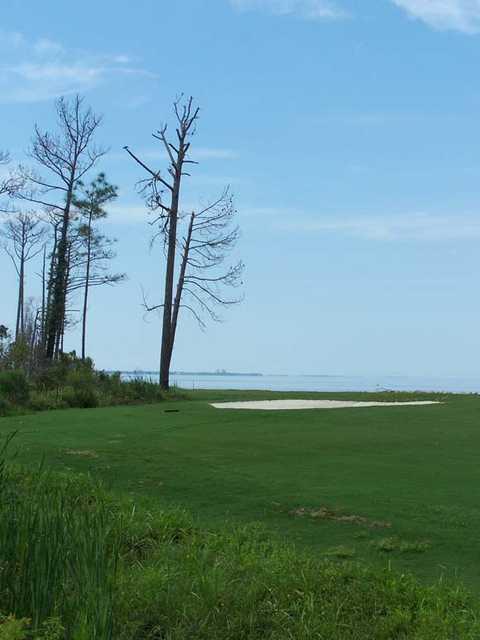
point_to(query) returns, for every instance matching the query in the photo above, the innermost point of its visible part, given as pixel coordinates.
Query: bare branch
(155, 174)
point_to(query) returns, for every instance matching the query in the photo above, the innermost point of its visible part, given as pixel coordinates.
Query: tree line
(52, 209)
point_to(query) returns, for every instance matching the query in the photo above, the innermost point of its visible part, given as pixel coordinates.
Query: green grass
(80, 564)
(414, 468)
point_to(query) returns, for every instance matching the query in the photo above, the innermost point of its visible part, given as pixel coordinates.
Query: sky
(349, 133)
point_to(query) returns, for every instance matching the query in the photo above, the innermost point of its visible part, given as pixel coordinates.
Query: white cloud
(409, 226)
(459, 15)
(42, 69)
(308, 9)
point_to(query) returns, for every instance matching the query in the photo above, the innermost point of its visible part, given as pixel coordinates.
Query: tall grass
(58, 553)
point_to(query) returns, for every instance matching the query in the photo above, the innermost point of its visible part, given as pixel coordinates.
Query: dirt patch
(86, 453)
(326, 513)
(388, 545)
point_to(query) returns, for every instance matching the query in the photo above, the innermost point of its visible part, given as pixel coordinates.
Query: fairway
(380, 485)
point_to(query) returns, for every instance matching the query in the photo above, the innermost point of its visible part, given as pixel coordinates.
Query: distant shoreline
(194, 373)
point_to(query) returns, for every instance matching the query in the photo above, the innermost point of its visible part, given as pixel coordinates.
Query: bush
(15, 387)
(67, 371)
(143, 390)
(81, 398)
(5, 407)
(46, 401)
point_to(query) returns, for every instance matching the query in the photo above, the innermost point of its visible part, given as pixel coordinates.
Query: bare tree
(10, 181)
(211, 236)
(24, 237)
(207, 240)
(4, 179)
(66, 156)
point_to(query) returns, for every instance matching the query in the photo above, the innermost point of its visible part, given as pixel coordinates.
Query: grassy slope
(416, 467)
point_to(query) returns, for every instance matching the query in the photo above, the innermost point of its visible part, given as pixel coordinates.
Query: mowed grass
(416, 469)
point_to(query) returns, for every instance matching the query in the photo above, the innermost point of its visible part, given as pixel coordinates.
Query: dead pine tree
(204, 239)
(24, 237)
(64, 158)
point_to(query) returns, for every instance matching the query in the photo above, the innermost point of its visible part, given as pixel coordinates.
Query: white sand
(288, 405)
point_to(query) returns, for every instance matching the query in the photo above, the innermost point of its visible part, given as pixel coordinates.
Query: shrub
(143, 390)
(67, 371)
(5, 407)
(81, 398)
(15, 387)
(46, 401)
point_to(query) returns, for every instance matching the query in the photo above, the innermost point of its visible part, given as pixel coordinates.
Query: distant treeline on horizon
(191, 373)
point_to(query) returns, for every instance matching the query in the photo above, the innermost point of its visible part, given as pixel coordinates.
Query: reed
(58, 553)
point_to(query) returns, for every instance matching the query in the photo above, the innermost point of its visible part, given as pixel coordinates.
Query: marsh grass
(58, 552)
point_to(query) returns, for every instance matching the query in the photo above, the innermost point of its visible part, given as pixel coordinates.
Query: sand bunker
(289, 405)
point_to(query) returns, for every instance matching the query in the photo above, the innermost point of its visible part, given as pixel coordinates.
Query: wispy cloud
(458, 15)
(135, 213)
(307, 9)
(197, 154)
(127, 214)
(407, 227)
(42, 69)
(206, 153)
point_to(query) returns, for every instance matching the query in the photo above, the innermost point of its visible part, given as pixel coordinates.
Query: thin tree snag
(186, 116)
(24, 237)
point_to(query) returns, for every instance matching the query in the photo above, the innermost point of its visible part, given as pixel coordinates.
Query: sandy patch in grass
(289, 405)
(325, 513)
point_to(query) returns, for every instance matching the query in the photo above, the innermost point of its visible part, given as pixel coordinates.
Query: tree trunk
(181, 281)
(87, 284)
(165, 355)
(56, 314)
(19, 325)
(44, 271)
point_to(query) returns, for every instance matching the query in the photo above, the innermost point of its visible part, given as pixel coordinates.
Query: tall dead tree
(204, 238)
(66, 156)
(24, 237)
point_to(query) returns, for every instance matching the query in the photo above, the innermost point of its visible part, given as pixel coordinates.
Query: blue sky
(349, 133)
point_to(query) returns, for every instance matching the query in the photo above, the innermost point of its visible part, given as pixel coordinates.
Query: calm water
(317, 383)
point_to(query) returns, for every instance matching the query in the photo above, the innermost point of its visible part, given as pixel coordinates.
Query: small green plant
(13, 629)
